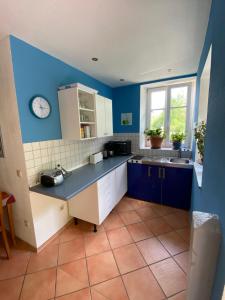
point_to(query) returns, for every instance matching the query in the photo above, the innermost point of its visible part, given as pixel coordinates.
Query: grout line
(56, 275)
(121, 277)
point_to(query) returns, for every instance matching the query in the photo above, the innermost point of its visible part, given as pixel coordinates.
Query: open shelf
(86, 109)
(91, 123)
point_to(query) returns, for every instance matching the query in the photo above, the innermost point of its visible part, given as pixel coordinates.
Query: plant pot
(176, 145)
(156, 142)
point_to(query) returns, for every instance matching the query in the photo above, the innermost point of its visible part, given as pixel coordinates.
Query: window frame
(168, 88)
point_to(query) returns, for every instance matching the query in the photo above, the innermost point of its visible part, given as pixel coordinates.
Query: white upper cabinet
(77, 112)
(104, 116)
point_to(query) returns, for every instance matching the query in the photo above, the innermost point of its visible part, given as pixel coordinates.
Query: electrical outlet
(26, 223)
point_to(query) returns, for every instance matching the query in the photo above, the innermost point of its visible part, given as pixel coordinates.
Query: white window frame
(145, 109)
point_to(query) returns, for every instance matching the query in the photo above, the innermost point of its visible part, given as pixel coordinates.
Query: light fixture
(94, 59)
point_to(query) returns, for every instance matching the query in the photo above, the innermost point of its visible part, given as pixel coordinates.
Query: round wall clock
(40, 107)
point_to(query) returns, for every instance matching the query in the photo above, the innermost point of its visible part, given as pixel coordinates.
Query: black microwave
(119, 147)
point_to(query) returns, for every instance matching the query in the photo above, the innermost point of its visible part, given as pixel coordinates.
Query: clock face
(40, 107)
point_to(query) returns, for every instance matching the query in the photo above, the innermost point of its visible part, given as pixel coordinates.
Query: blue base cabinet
(176, 187)
(141, 184)
(164, 185)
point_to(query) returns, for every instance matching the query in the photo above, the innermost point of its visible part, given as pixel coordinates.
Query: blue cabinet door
(176, 187)
(144, 182)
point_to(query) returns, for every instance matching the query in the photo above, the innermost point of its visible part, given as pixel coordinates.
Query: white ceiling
(138, 40)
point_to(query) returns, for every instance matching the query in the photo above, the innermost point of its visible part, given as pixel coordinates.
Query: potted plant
(200, 131)
(156, 137)
(177, 138)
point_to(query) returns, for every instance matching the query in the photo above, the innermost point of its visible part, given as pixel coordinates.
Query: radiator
(204, 249)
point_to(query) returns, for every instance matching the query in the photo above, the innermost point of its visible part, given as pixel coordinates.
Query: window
(169, 107)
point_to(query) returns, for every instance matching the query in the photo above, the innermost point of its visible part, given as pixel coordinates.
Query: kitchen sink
(179, 160)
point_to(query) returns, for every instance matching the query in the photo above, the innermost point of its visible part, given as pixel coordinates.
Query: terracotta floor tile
(136, 204)
(152, 250)
(101, 267)
(173, 243)
(96, 243)
(124, 205)
(163, 210)
(185, 233)
(170, 277)
(70, 233)
(112, 289)
(39, 285)
(88, 228)
(158, 226)
(113, 221)
(139, 231)
(141, 285)
(147, 213)
(80, 295)
(129, 217)
(71, 277)
(10, 289)
(119, 237)
(128, 258)
(178, 220)
(15, 266)
(71, 250)
(47, 258)
(183, 260)
(180, 296)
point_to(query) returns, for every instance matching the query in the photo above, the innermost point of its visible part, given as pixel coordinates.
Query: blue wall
(36, 72)
(127, 99)
(211, 197)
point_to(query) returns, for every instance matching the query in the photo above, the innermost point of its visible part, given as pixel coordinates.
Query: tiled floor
(139, 253)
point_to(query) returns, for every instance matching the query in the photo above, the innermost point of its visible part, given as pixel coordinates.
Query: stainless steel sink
(179, 160)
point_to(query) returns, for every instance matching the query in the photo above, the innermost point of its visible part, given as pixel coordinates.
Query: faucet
(179, 153)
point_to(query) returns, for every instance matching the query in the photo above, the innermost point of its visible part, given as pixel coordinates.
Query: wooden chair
(2, 229)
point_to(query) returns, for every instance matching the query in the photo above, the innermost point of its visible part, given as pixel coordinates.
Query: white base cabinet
(95, 202)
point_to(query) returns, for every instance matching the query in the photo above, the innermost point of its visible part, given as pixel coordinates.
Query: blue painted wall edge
(211, 197)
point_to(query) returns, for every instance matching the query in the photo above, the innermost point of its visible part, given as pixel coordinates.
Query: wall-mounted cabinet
(104, 116)
(78, 112)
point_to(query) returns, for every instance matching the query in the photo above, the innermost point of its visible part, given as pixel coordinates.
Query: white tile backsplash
(44, 155)
(135, 141)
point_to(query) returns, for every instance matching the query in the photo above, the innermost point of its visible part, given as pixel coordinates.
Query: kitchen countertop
(81, 178)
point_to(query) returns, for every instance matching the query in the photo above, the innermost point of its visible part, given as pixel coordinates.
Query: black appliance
(119, 147)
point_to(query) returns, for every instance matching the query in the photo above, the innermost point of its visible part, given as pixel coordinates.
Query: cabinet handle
(159, 173)
(149, 171)
(164, 173)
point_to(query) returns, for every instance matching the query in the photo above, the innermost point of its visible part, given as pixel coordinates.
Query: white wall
(13, 161)
(204, 89)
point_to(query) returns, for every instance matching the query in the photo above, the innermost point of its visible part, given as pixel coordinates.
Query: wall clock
(40, 107)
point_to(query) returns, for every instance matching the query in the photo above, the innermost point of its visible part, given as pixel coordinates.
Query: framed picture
(126, 119)
(1, 145)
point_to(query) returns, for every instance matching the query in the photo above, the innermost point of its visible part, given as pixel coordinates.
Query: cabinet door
(121, 181)
(108, 118)
(100, 115)
(154, 183)
(106, 195)
(176, 187)
(144, 182)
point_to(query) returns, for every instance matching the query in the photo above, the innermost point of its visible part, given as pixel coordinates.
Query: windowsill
(164, 149)
(198, 171)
